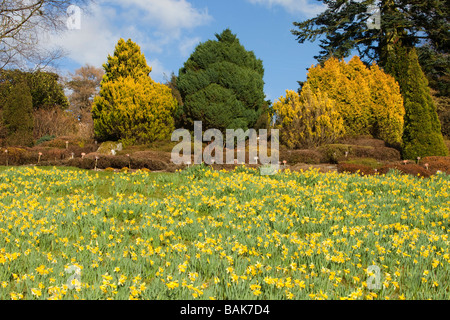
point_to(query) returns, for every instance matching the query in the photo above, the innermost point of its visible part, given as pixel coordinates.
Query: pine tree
(131, 107)
(343, 28)
(422, 133)
(221, 84)
(18, 115)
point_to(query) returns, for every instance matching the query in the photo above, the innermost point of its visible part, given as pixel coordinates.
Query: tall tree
(409, 23)
(422, 134)
(436, 66)
(343, 26)
(17, 114)
(222, 84)
(22, 23)
(84, 84)
(131, 107)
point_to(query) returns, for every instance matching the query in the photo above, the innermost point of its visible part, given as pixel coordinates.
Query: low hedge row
(412, 169)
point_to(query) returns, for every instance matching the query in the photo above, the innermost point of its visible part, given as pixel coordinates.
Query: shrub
(301, 156)
(85, 163)
(412, 169)
(332, 153)
(379, 153)
(54, 122)
(437, 163)
(307, 120)
(368, 99)
(355, 168)
(445, 123)
(366, 141)
(368, 162)
(44, 139)
(105, 161)
(221, 84)
(154, 165)
(17, 156)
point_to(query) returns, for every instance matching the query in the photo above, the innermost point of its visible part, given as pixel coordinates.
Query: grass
(370, 162)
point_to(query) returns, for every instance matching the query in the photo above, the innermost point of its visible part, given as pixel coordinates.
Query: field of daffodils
(205, 234)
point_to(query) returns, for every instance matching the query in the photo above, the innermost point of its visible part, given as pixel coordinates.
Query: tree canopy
(85, 84)
(46, 90)
(222, 85)
(422, 134)
(368, 99)
(343, 27)
(17, 115)
(131, 107)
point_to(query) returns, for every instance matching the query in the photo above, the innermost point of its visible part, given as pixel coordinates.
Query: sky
(169, 30)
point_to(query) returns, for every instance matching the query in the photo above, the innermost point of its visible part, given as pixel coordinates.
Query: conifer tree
(368, 99)
(343, 27)
(307, 119)
(18, 115)
(222, 85)
(131, 107)
(422, 134)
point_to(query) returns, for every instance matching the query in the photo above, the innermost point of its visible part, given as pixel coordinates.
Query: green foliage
(343, 28)
(422, 135)
(308, 120)
(44, 88)
(44, 139)
(18, 115)
(436, 67)
(222, 85)
(333, 152)
(369, 162)
(131, 107)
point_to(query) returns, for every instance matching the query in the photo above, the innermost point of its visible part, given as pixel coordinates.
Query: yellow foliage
(388, 109)
(307, 120)
(131, 106)
(138, 110)
(368, 99)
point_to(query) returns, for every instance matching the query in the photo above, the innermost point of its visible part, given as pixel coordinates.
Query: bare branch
(22, 22)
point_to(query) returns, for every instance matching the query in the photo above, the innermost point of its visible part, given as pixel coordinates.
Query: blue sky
(169, 30)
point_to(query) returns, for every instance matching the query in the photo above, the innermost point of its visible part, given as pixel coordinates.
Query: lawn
(67, 233)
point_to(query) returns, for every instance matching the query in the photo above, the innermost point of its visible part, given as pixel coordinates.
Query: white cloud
(305, 7)
(187, 45)
(158, 70)
(168, 15)
(155, 25)
(93, 41)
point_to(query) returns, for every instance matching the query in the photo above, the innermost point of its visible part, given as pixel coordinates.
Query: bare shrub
(355, 168)
(54, 122)
(86, 125)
